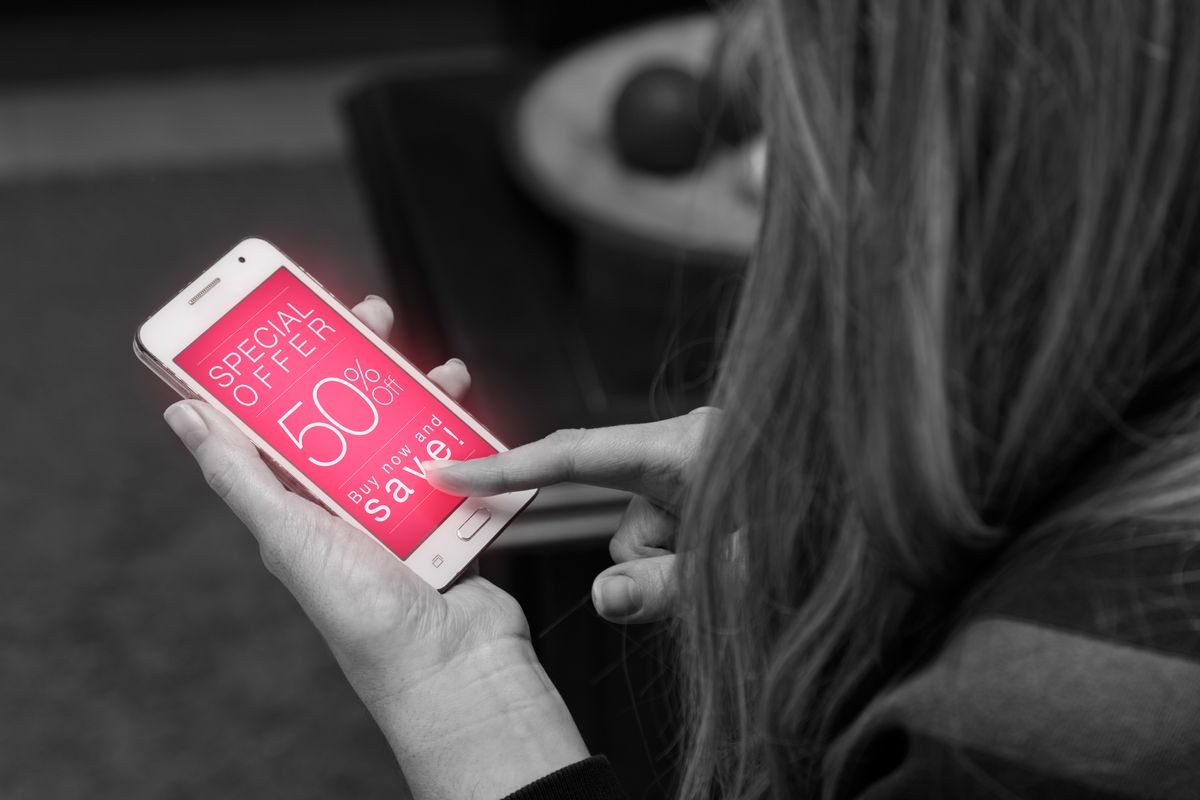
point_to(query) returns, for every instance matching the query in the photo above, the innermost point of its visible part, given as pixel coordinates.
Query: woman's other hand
(653, 460)
(450, 678)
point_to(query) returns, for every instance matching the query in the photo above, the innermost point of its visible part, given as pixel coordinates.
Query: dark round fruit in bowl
(733, 114)
(656, 122)
(730, 91)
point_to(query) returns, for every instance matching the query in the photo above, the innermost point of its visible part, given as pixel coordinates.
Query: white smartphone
(337, 412)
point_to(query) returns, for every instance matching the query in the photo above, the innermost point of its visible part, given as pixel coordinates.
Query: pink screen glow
(335, 407)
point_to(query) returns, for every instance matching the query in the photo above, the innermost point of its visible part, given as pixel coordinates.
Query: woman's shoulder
(1077, 673)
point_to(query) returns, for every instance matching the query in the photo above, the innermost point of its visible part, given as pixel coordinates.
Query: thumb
(642, 590)
(326, 565)
(236, 472)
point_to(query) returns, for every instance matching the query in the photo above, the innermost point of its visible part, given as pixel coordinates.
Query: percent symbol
(365, 376)
(369, 378)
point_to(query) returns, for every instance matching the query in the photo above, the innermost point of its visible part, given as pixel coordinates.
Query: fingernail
(187, 424)
(458, 361)
(439, 469)
(372, 297)
(616, 596)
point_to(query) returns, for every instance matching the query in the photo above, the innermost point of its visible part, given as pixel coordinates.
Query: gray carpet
(144, 651)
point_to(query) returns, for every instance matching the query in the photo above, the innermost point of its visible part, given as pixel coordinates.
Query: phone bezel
(177, 324)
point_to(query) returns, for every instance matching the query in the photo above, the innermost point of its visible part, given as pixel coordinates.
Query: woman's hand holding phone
(652, 460)
(450, 678)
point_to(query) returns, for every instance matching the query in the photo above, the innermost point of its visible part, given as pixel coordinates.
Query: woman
(936, 541)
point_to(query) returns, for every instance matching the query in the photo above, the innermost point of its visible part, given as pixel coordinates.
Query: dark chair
(483, 274)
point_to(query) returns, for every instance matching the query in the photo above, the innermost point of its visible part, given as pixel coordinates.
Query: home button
(473, 523)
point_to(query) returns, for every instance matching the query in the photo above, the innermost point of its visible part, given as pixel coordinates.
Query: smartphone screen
(336, 407)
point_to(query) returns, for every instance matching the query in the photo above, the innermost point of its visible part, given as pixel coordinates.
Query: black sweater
(1076, 674)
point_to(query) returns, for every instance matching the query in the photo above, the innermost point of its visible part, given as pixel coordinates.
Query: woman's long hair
(973, 313)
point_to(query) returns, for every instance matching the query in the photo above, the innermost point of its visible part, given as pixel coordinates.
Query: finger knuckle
(667, 581)
(569, 443)
(284, 539)
(271, 557)
(221, 475)
(566, 437)
(659, 591)
(700, 423)
(617, 549)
